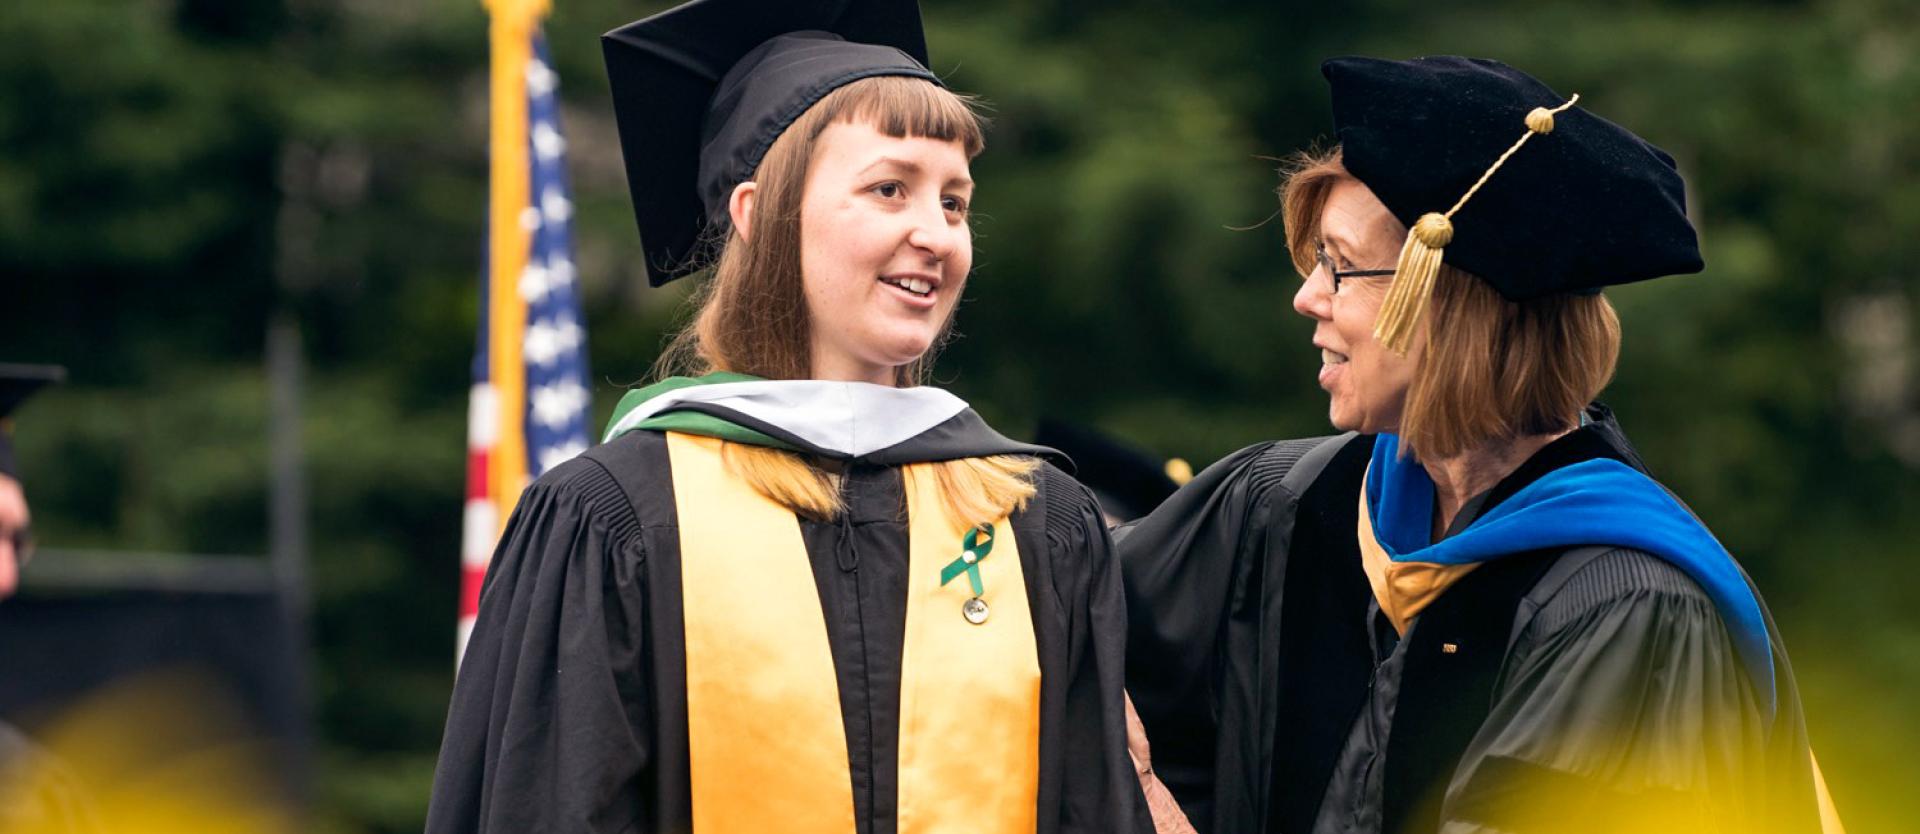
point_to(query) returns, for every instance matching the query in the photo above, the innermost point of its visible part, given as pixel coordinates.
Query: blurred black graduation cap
(1584, 205)
(1127, 481)
(700, 91)
(17, 383)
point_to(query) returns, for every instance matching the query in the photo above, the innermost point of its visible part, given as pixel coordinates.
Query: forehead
(1353, 217)
(851, 147)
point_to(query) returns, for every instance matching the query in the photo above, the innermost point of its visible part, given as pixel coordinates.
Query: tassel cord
(1536, 124)
(1419, 265)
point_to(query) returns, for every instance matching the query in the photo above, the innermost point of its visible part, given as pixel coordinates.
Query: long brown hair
(751, 315)
(1489, 369)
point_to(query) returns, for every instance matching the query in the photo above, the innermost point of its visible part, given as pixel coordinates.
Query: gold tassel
(1413, 278)
(1419, 264)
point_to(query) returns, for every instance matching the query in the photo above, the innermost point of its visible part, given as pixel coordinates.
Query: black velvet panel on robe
(569, 712)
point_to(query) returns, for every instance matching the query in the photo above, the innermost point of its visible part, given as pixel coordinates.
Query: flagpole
(511, 36)
(497, 409)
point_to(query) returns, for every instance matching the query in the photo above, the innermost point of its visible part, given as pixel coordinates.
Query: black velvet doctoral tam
(1585, 206)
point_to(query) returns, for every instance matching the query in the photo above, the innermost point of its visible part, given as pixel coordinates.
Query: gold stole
(1403, 589)
(766, 742)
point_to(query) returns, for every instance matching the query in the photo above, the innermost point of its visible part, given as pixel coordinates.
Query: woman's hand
(1167, 816)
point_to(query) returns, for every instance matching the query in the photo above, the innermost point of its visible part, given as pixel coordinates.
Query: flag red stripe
(476, 473)
(470, 581)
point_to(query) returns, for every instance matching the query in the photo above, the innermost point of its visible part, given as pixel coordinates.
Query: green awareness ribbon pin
(973, 547)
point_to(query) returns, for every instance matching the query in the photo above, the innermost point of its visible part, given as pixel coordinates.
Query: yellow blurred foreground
(158, 755)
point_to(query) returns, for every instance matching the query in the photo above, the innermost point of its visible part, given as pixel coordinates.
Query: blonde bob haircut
(1489, 370)
(751, 314)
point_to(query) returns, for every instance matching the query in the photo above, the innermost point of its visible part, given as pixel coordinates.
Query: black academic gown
(1584, 689)
(570, 714)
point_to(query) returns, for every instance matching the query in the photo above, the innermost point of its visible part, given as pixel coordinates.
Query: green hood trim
(691, 422)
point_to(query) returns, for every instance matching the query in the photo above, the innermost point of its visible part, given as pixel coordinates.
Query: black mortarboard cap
(1128, 482)
(700, 91)
(17, 383)
(1585, 204)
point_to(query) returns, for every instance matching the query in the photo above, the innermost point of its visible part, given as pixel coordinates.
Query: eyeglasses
(1326, 263)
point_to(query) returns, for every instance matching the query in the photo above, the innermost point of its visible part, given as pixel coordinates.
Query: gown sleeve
(1100, 792)
(1180, 564)
(548, 729)
(1623, 707)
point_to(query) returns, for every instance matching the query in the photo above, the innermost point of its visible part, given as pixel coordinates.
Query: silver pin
(975, 610)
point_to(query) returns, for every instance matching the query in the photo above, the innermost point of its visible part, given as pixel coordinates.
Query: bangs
(903, 106)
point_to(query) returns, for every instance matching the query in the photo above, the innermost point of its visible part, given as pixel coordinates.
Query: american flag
(529, 402)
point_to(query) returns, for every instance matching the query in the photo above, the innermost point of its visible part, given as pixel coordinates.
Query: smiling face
(1367, 382)
(884, 248)
(847, 251)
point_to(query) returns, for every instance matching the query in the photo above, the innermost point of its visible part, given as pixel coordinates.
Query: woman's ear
(740, 207)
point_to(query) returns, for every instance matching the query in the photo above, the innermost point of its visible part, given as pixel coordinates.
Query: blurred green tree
(172, 172)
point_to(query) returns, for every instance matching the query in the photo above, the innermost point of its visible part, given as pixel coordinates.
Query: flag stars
(557, 397)
(556, 405)
(555, 205)
(548, 144)
(541, 79)
(535, 282)
(547, 340)
(542, 344)
(560, 271)
(555, 455)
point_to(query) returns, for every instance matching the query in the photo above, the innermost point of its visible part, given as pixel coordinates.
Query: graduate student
(795, 590)
(1475, 610)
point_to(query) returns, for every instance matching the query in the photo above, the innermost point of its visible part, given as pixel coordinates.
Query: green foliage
(173, 172)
